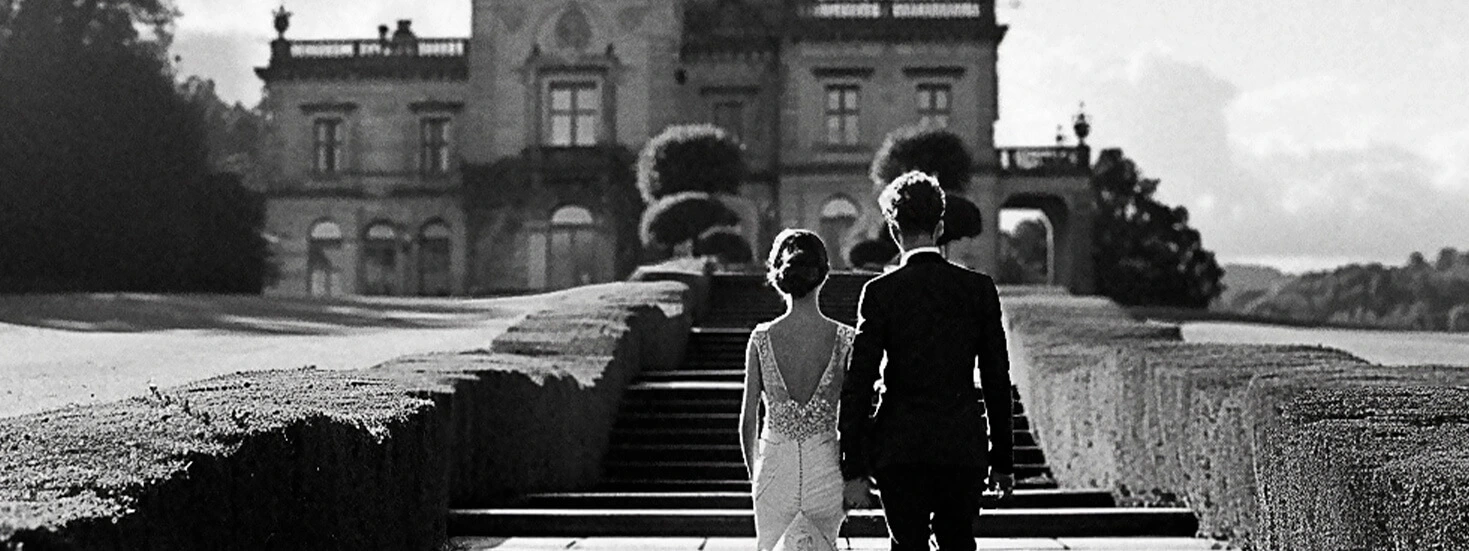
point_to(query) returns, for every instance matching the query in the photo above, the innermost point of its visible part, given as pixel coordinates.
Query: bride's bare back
(803, 349)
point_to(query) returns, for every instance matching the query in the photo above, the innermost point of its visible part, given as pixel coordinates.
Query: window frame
(327, 153)
(733, 109)
(846, 114)
(575, 114)
(434, 151)
(929, 111)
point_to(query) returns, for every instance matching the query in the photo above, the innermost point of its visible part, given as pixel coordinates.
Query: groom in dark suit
(926, 445)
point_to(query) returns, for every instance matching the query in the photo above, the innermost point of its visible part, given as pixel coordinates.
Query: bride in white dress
(794, 367)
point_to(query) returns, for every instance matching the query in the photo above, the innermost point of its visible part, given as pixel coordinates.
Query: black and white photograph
(734, 275)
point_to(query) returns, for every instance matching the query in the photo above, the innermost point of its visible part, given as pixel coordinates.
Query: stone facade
(500, 162)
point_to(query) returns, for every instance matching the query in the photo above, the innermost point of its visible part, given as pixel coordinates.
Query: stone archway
(1069, 254)
(838, 217)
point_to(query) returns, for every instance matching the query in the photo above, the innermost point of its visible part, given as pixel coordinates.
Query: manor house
(500, 163)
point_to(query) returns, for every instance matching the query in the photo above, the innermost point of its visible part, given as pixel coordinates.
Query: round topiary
(873, 253)
(725, 243)
(682, 158)
(682, 217)
(961, 219)
(936, 151)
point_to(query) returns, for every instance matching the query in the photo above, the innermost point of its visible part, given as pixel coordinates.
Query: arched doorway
(838, 216)
(380, 260)
(434, 248)
(574, 255)
(1035, 241)
(323, 259)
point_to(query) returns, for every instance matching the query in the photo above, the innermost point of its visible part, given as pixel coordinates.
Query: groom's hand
(1003, 483)
(857, 494)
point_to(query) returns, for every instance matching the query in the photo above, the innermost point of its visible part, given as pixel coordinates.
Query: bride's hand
(856, 494)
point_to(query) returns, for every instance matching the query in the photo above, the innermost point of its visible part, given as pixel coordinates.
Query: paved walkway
(853, 544)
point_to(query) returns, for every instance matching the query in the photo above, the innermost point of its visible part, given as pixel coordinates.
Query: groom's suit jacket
(934, 322)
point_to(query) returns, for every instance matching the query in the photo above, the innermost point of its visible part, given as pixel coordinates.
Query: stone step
(725, 420)
(729, 470)
(1053, 523)
(731, 452)
(742, 484)
(718, 435)
(1023, 499)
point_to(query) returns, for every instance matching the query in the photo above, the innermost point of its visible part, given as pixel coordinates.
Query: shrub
(686, 158)
(962, 220)
(873, 253)
(936, 151)
(683, 217)
(725, 243)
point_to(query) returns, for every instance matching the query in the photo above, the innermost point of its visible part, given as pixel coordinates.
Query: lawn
(64, 349)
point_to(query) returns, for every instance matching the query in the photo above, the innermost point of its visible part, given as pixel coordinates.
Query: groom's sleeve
(857, 391)
(994, 377)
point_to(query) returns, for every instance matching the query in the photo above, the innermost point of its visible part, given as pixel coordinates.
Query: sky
(1302, 135)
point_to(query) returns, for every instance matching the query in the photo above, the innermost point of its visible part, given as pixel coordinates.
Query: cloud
(1256, 182)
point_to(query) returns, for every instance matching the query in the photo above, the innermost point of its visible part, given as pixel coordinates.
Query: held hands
(1003, 483)
(857, 494)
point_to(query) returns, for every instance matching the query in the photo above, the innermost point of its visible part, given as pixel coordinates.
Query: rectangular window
(327, 137)
(841, 114)
(433, 146)
(730, 115)
(933, 104)
(574, 114)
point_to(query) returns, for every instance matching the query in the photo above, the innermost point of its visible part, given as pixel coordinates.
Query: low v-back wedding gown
(798, 479)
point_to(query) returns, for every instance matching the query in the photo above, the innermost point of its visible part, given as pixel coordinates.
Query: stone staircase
(675, 469)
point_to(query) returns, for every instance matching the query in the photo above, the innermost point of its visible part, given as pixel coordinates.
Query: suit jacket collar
(923, 255)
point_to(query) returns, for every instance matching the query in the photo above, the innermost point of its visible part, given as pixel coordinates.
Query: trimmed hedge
(365, 459)
(1262, 442)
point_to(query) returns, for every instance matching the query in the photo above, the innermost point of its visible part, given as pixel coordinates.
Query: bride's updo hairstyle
(798, 263)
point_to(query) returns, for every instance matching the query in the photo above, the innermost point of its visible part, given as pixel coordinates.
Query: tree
(105, 161)
(234, 131)
(1448, 257)
(939, 153)
(683, 158)
(725, 243)
(1145, 251)
(1024, 254)
(681, 218)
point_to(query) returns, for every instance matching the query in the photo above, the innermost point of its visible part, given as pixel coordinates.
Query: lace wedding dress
(798, 481)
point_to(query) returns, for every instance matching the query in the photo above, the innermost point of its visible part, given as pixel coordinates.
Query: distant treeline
(1419, 295)
(114, 176)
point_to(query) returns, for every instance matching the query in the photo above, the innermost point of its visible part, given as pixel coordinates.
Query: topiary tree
(1145, 251)
(681, 218)
(939, 153)
(962, 220)
(683, 158)
(725, 243)
(873, 254)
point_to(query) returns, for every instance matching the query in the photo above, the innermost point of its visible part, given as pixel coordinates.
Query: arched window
(572, 215)
(380, 273)
(838, 216)
(433, 259)
(323, 259)
(575, 254)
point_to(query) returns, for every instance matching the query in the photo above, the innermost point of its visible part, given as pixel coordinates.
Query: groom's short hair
(913, 203)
